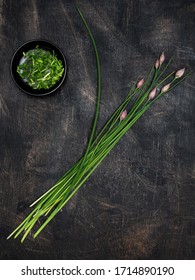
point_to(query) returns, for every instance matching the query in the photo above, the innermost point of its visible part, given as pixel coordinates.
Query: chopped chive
(39, 66)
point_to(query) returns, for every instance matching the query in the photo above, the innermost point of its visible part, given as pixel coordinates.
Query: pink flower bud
(179, 73)
(123, 115)
(157, 63)
(165, 88)
(152, 94)
(162, 58)
(140, 83)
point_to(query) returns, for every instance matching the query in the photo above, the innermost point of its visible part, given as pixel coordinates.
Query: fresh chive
(37, 68)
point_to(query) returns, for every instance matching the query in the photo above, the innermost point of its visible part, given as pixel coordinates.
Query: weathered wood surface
(139, 204)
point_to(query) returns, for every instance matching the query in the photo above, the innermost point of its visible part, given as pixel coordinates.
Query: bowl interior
(18, 55)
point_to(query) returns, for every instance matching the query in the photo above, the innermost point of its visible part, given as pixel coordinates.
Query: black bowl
(45, 45)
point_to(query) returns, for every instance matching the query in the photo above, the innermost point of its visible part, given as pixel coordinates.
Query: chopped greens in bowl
(40, 69)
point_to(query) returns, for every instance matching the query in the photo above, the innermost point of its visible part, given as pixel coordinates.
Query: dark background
(139, 204)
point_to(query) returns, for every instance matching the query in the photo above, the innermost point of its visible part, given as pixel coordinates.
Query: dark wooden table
(139, 204)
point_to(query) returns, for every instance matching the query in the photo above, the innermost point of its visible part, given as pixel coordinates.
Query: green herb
(141, 96)
(40, 69)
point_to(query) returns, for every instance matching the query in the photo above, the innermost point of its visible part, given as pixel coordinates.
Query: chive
(38, 66)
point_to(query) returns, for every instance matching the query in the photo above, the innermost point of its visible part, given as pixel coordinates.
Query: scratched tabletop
(139, 203)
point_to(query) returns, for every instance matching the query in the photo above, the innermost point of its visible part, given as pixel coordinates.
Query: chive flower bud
(165, 88)
(152, 94)
(140, 83)
(162, 58)
(123, 115)
(179, 73)
(157, 63)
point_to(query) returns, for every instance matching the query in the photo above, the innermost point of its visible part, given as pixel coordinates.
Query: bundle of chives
(143, 94)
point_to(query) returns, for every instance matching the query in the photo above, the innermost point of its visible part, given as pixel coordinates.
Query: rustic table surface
(139, 204)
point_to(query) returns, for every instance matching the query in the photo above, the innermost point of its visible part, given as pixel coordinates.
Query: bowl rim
(53, 88)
